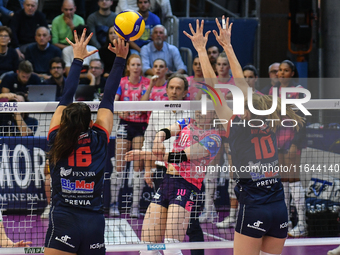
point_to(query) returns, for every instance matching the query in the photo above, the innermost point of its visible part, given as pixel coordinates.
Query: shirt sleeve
(144, 53)
(67, 57)
(55, 37)
(179, 64)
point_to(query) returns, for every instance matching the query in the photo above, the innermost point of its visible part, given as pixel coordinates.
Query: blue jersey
(77, 181)
(255, 156)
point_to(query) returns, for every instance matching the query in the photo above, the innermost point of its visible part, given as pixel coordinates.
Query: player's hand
(121, 48)
(225, 32)
(79, 47)
(22, 244)
(158, 149)
(134, 155)
(198, 40)
(148, 179)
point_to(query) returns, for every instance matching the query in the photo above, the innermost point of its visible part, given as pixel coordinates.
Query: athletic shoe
(335, 251)
(46, 212)
(228, 222)
(134, 212)
(299, 230)
(114, 211)
(208, 217)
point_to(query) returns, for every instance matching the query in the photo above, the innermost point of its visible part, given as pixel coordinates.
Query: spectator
(68, 51)
(105, 54)
(94, 75)
(64, 24)
(6, 242)
(159, 48)
(194, 81)
(41, 52)
(150, 20)
(272, 71)
(6, 14)
(213, 52)
(23, 25)
(250, 75)
(9, 59)
(57, 71)
(17, 124)
(130, 134)
(100, 21)
(17, 82)
(156, 91)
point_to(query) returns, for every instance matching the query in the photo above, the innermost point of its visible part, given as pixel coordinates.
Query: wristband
(177, 157)
(167, 133)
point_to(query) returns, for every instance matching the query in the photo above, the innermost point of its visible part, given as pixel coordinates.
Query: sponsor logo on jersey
(179, 198)
(77, 202)
(76, 173)
(64, 240)
(77, 186)
(195, 137)
(256, 225)
(284, 225)
(97, 246)
(83, 136)
(126, 99)
(65, 172)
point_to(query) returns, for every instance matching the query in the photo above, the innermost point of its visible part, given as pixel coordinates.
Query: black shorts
(175, 190)
(263, 220)
(129, 130)
(76, 231)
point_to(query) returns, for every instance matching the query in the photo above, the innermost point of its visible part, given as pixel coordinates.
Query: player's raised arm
(199, 42)
(224, 39)
(80, 53)
(105, 111)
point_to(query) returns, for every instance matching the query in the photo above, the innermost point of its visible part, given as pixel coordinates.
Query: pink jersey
(225, 91)
(194, 85)
(190, 134)
(158, 93)
(133, 92)
(289, 95)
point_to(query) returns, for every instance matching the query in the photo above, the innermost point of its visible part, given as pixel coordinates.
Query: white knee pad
(231, 187)
(172, 252)
(266, 253)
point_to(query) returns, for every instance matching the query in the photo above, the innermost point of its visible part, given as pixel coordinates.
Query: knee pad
(231, 187)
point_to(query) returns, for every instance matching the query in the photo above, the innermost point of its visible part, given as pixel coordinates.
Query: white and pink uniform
(190, 134)
(158, 93)
(133, 92)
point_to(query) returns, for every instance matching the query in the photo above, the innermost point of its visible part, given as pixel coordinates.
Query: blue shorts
(129, 130)
(263, 220)
(175, 190)
(76, 231)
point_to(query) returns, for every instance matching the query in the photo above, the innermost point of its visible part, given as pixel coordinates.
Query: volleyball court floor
(126, 230)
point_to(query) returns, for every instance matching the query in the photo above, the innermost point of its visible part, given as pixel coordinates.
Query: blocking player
(77, 160)
(262, 221)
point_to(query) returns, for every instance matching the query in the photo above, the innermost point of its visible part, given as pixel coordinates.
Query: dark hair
(57, 60)
(250, 68)
(25, 66)
(180, 76)
(79, 30)
(139, 0)
(107, 42)
(7, 29)
(75, 120)
(99, 60)
(166, 65)
(292, 67)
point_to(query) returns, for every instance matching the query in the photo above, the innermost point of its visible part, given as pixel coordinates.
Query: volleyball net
(23, 174)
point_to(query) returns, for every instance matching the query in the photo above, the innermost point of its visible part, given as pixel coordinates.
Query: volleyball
(129, 25)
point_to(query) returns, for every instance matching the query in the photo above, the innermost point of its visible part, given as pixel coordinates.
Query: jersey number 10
(261, 148)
